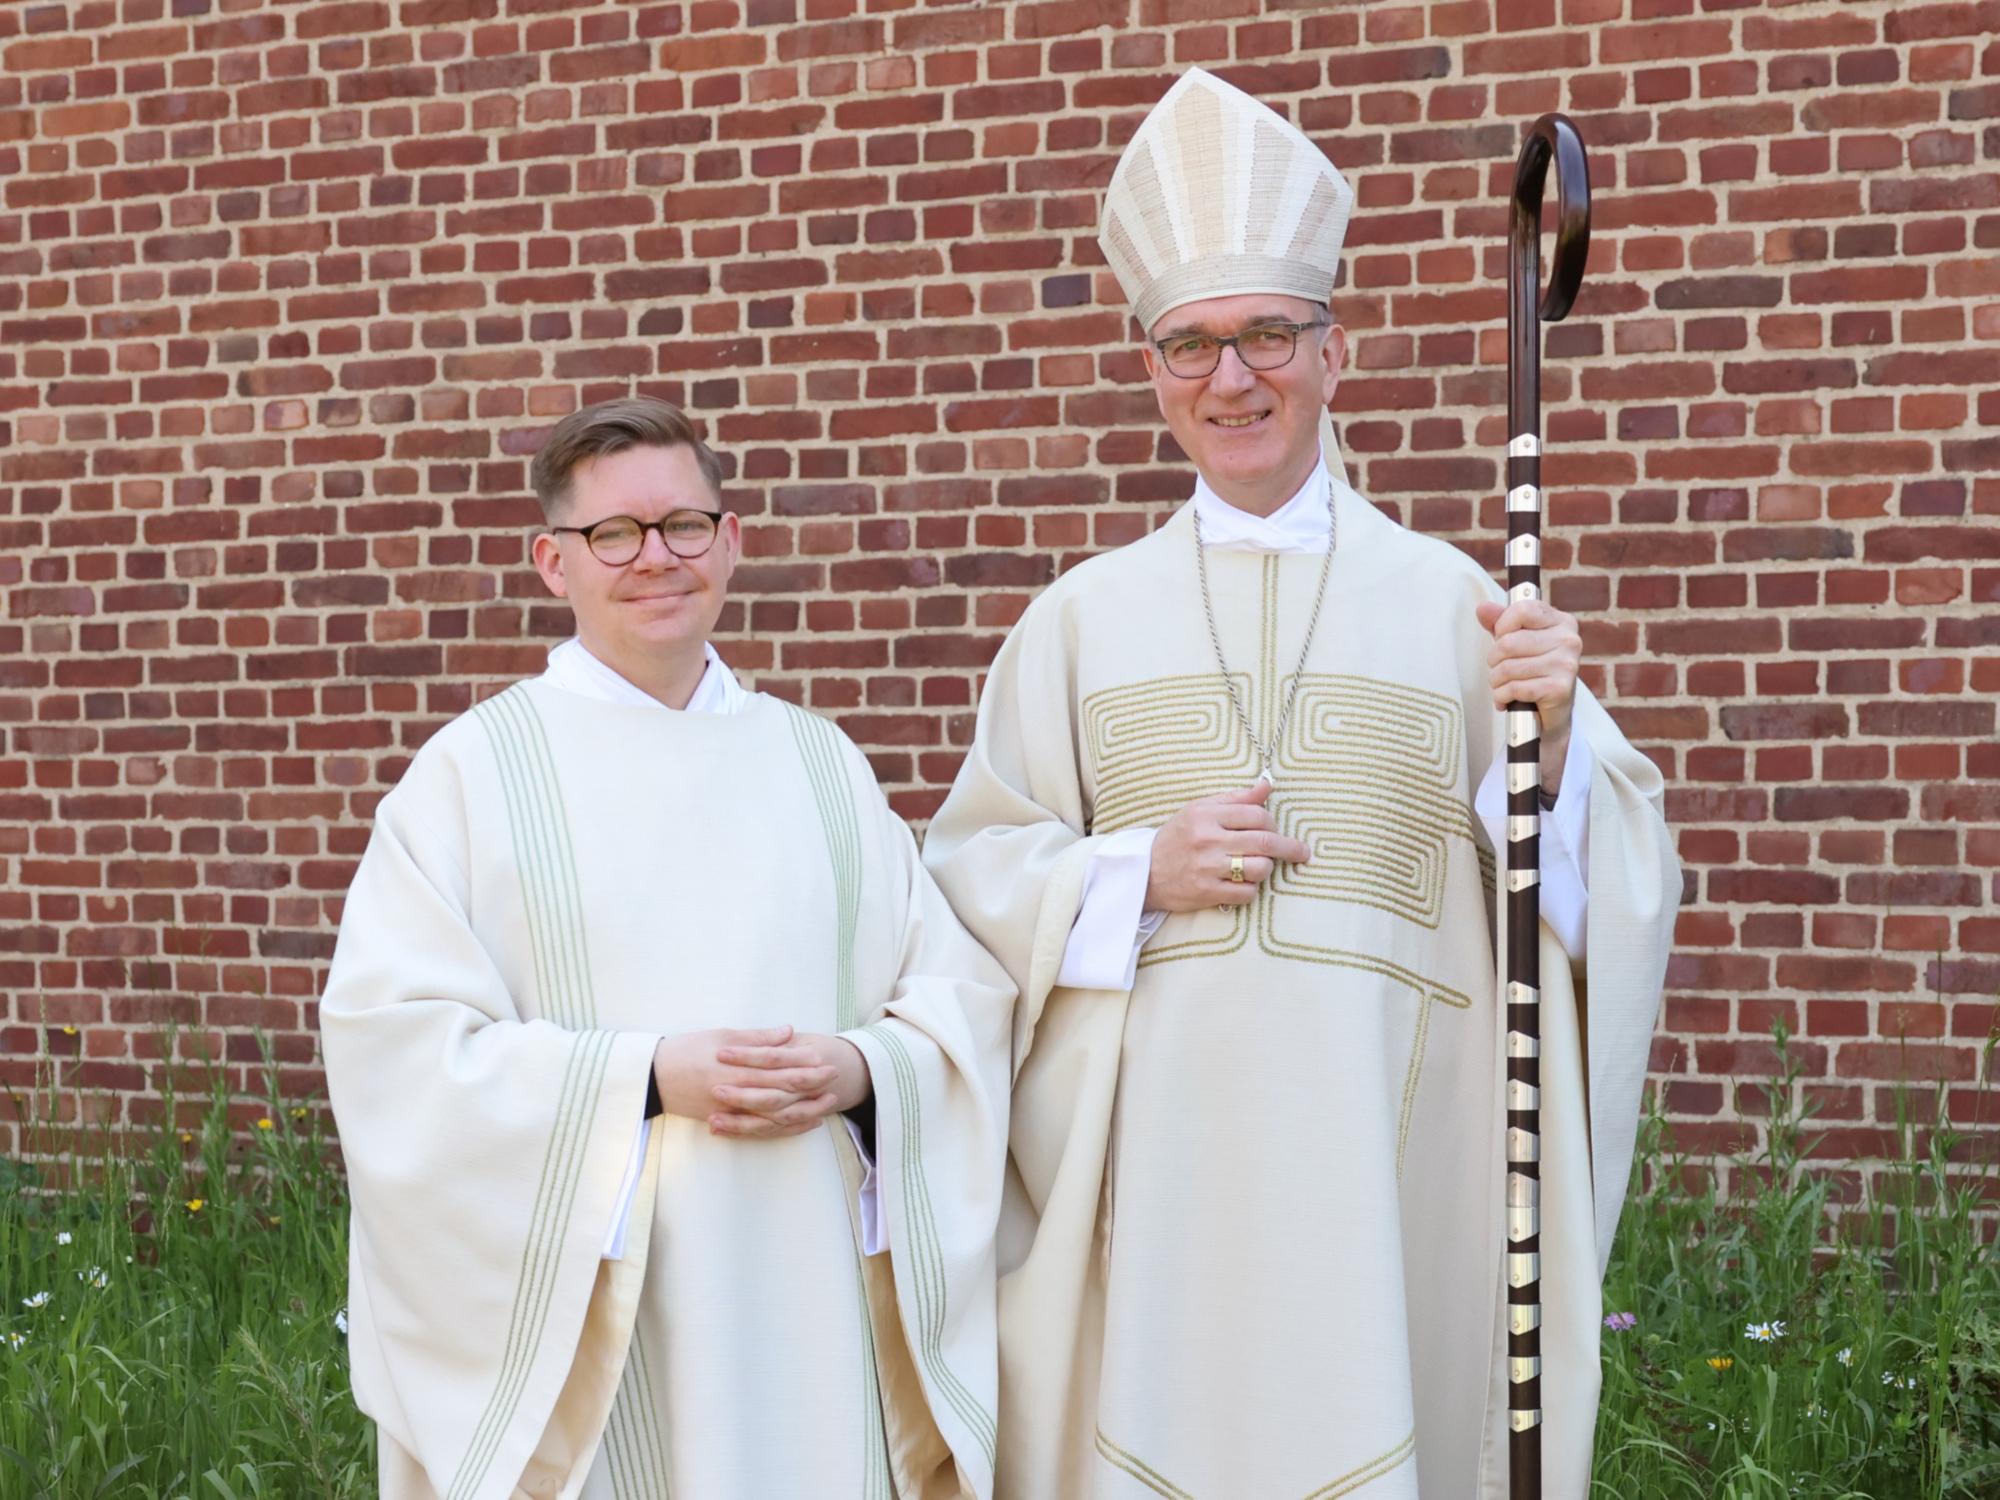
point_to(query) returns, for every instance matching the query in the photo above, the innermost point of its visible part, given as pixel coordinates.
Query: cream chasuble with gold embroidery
(556, 883)
(1251, 1248)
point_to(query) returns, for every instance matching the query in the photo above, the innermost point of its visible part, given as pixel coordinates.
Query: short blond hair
(611, 427)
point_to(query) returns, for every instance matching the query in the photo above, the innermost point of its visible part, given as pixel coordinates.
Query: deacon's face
(1253, 434)
(658, 603)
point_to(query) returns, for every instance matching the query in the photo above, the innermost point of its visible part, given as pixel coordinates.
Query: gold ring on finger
(1236, 868)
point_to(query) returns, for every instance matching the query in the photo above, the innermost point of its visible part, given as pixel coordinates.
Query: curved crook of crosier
(1554, 137)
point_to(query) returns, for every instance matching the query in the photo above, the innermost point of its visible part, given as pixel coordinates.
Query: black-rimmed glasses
(1267, 346)
(617, 540)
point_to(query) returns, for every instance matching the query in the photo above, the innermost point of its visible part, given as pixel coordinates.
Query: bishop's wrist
(1555, 754)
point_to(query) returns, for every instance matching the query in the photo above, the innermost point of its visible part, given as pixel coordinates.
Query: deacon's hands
(762, 1084)
(1193, 849)
(1536, 651)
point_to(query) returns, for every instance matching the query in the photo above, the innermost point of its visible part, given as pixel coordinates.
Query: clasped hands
(1536, 652)
(760, 1084)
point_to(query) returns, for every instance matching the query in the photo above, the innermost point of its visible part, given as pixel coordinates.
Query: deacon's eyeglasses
(617, 540)
(1268, 346)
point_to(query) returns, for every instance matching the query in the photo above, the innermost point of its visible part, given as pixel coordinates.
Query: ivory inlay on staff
(673, 1096)
(1218, 822)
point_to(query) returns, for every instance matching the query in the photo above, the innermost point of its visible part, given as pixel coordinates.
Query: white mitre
(1218, 195)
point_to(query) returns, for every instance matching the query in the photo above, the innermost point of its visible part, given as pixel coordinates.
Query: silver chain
(1266, 754)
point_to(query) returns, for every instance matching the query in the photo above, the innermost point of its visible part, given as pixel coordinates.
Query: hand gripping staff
(1551, 136)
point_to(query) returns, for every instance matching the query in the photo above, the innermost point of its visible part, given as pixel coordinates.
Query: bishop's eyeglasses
(1267, 346)
(617, 540)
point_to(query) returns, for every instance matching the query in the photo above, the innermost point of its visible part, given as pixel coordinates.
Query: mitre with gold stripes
(1218, 195)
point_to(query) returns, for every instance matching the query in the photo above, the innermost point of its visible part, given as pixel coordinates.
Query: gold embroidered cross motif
(1346, 1484)
(1370, 772)
(1371, 777)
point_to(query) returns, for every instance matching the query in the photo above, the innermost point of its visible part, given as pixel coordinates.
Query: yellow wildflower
(1720, 1362)
(194, 1207)
(299, 1112)
(265, 1125)
(185, 1137)
(69, 1031)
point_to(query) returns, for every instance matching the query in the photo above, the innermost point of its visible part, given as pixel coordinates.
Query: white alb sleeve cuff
(628, 1187)
(874, 1237)
(1565, 840)
(874, 1233)
(1111, 925)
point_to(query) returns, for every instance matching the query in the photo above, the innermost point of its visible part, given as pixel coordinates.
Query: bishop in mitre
(672, 1095)
(1218, 822)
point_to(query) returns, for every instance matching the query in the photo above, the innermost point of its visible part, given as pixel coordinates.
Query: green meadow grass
(1780, 1345)
(188, 1344)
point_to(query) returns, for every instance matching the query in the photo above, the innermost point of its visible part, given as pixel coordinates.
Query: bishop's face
(658, 605)
(1253, 434)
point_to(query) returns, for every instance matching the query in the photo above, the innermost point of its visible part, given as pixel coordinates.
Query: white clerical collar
(1299, 525)
(573, 669)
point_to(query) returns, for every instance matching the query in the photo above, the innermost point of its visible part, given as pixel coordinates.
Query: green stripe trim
(552, 900)
(555, 1198)
(567, 887)
(618, 1441)
(653, 1443)
(833, 792)
(545, 856)
(520, 827)
(875, 1442)
(632, 1433)
(616, 1460)
(528, 818)
(927, 1279)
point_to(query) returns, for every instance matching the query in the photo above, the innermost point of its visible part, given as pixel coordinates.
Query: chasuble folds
(1251, 1242)
(556, 883)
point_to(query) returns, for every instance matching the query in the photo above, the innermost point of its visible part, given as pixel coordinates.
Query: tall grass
(168, 1319)
(1780, 1344)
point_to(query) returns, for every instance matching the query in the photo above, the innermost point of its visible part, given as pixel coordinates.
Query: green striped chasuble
(556, 883)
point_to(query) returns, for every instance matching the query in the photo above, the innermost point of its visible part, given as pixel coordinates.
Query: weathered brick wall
(292, 290)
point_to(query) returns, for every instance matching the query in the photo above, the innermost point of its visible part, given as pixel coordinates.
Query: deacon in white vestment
(1218, 821)
(672, 1095)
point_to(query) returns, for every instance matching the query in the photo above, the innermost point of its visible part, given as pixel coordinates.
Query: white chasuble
(1252, 1243)
(556, 883)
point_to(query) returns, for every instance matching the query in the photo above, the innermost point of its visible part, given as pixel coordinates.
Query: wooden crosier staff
(1551, 136)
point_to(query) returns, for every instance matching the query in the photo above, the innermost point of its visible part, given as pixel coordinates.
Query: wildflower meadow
(1786, 1344)
(172, 1316)
(172, 1322)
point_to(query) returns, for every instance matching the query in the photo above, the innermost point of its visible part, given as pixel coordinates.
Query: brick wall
(292, 290)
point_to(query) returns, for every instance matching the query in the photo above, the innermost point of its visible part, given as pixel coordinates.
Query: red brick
(1629, 44)
(276, 437)
(1920, 22)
